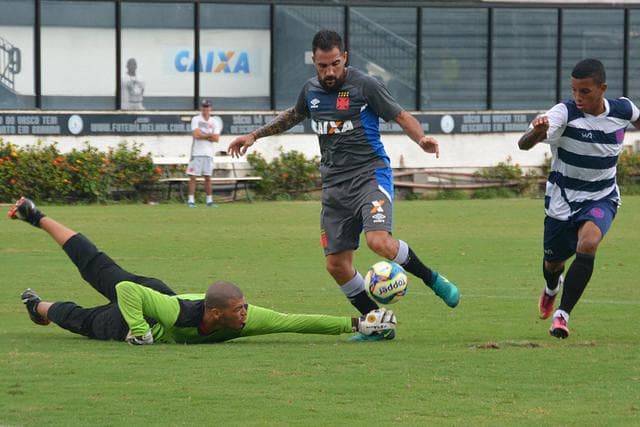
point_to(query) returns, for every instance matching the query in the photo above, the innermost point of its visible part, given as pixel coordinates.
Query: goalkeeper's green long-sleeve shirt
(178, 318)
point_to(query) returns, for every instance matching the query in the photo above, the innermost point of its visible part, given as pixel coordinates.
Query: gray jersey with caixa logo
(346, 122)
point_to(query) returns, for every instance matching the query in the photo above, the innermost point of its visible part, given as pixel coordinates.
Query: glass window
(235, 51)
(524, 58)
(16, 54)
(593, 34)
(157, 56)
(78, 55)
(454, 59)
(382, 42)
(293, 65)
(634, 56)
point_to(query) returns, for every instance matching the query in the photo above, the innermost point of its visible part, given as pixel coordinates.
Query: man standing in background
(206, 131)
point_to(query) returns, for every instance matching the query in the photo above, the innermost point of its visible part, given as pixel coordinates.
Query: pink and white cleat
(545, 303)
(559, 327)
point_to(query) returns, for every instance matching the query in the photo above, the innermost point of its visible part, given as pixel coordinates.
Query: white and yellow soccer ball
(386, 282)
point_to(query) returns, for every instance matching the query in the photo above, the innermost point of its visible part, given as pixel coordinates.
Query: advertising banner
(235, 124)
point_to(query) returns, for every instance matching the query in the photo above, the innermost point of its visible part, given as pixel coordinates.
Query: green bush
(628, 169)
(288, 177)
(42, 172)
(519, 182)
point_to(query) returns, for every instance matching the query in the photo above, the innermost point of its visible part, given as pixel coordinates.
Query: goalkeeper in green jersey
(144, 310)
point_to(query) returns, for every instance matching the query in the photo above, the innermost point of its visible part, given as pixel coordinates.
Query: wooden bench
(221, 161)
(179, 183)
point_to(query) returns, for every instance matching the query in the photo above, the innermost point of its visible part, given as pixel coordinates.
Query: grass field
(487, 362)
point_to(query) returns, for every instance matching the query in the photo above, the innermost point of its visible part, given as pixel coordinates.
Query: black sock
(414, 266)
(363, 303)
(576, 281)
(551, 277)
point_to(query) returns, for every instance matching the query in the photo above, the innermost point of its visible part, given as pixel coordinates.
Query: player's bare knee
(337, 267)
(383, 245)
(588, 246)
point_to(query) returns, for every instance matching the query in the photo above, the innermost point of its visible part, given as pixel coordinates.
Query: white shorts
(200, 166)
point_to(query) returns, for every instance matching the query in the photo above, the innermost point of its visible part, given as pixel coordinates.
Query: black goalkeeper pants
(103, 274)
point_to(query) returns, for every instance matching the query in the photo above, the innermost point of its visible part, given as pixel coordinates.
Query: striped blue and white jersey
(585, 152)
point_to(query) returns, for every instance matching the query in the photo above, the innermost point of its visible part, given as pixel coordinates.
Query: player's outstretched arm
(262, 321)
(537, 133)
(282, 122)
(413, 129)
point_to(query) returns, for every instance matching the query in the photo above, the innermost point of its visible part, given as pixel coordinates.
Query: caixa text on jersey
(330, 127)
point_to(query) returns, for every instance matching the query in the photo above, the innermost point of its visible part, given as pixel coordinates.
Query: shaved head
(220, 293)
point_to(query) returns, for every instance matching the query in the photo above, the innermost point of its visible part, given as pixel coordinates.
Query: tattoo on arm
(283, 121)
(530, 138)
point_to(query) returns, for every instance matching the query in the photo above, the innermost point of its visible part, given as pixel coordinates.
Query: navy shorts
(561, 237)
(364, 202)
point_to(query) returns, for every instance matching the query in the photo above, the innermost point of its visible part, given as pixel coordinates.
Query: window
(383, 44)
(157, 56)
(593, 34)
(524, 59)
(16, 54)
(454, 59)
(296, 26)
(235, 50)
(78, 55)
(634, 56)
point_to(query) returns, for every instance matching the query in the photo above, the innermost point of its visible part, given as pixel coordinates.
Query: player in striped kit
(582, 196)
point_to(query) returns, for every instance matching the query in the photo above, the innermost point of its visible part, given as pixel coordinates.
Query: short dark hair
(326, 40)
(219, 294)
(590, 68)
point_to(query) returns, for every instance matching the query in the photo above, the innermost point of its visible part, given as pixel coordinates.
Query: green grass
(488, 362)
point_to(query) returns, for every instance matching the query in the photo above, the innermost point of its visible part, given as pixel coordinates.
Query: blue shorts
(561, 237)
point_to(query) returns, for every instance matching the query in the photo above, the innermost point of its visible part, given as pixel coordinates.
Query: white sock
(551, 292)
(354, 286)
(403, 253)
(191, 198)
(562, 313)
(209, 199)
(557, 289)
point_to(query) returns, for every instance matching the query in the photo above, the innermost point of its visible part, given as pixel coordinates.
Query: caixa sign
(230, 62)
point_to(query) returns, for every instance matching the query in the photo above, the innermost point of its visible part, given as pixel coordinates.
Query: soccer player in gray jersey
(344, 106)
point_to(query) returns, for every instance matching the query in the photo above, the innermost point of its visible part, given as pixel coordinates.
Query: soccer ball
(386, 282)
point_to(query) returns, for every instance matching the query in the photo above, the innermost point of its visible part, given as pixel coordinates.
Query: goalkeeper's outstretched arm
(262, 321)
